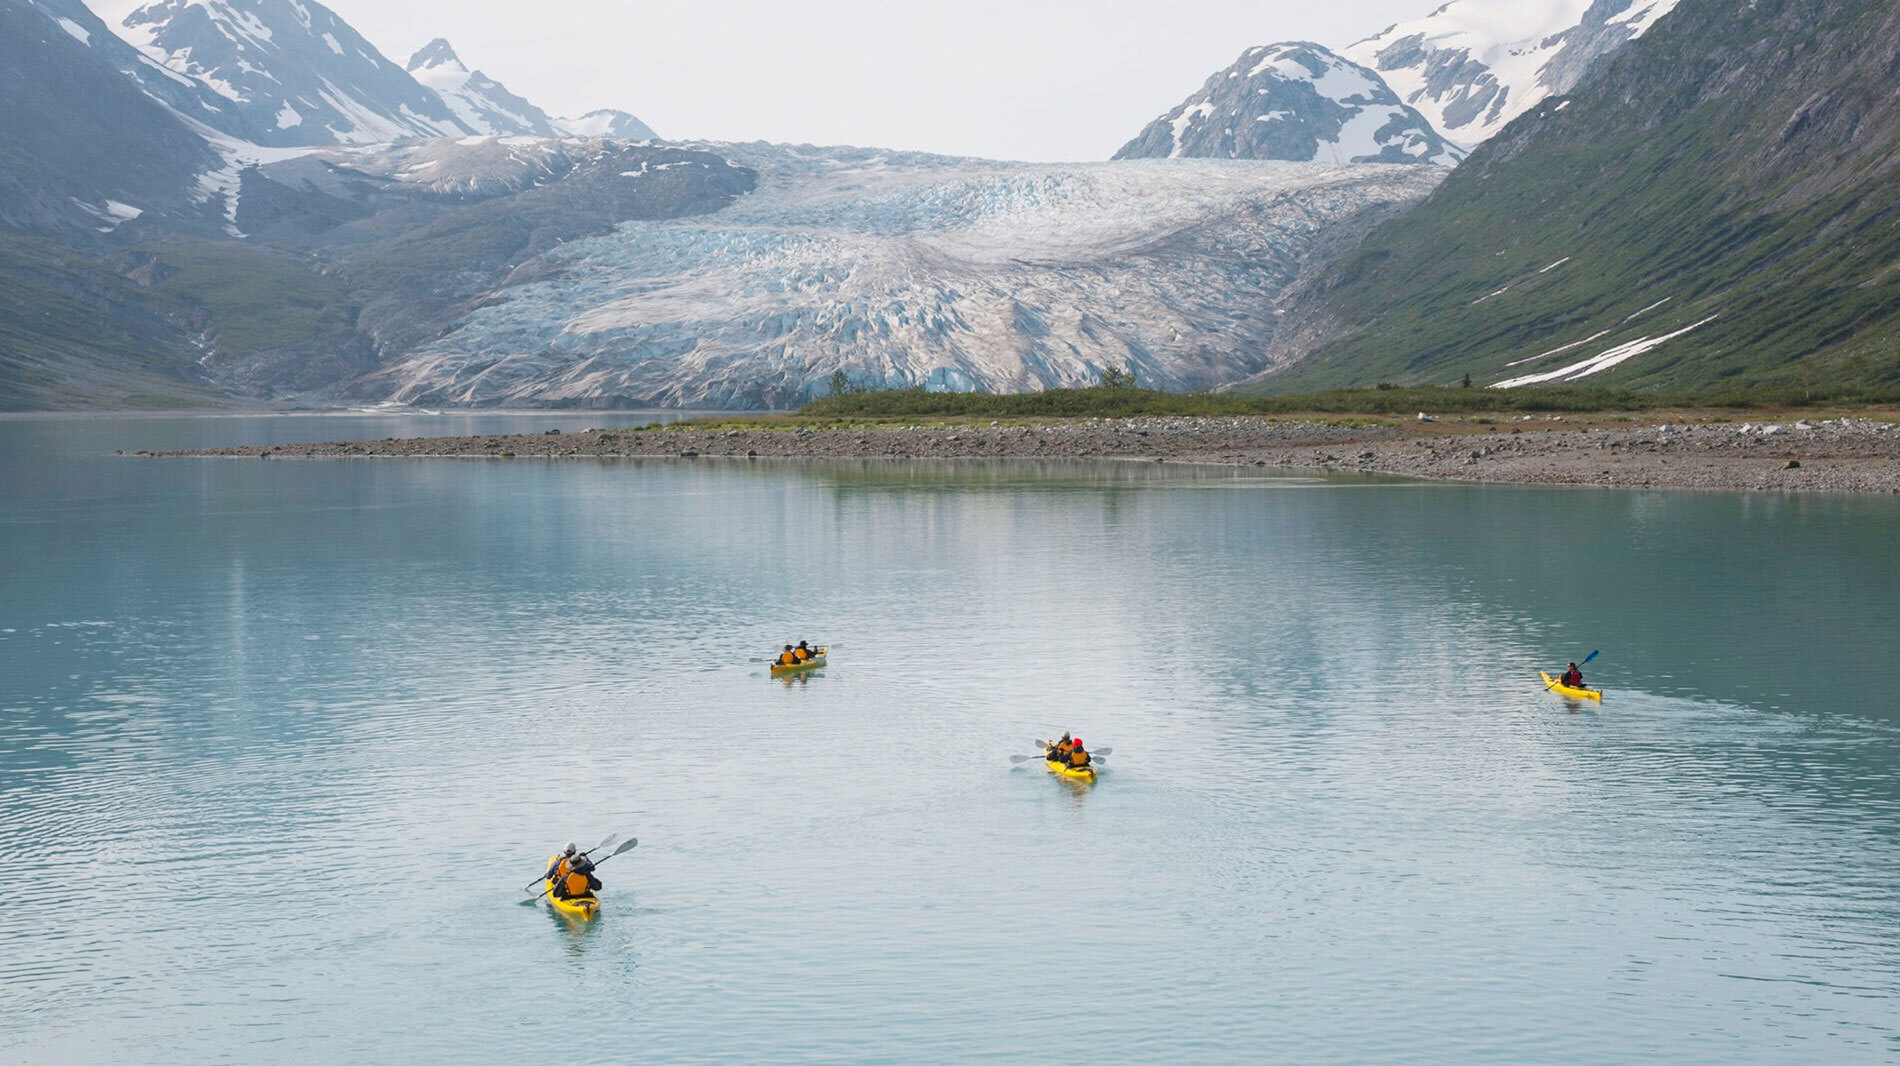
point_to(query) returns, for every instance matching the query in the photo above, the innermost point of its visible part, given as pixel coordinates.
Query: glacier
(906, 269)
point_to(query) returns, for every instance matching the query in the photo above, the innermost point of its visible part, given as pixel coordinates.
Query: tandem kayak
(1565, 690)
(812, 663)
(1086, 773)
(583, 907)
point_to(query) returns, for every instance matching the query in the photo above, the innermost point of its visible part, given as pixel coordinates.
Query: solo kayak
(1565, 690)
(1085, 773)
(583, 907)
(812, 663)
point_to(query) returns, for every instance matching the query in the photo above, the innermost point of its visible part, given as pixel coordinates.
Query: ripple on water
(1342, 822)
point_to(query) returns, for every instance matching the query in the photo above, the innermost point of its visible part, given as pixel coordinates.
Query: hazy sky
(1009, 79)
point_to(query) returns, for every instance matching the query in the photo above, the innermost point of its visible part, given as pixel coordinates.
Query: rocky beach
(1835, 454)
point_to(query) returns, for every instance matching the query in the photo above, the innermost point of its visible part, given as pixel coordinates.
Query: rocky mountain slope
(902, 269)
(1714, 204)
(1472, 66)
(479, 101)
(1297, 102)
(83, 149)
(291, 73)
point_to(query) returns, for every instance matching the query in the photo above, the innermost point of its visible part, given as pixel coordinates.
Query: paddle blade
(631, 843)
(1023, 758)
(1591, 656)
(1101, 752)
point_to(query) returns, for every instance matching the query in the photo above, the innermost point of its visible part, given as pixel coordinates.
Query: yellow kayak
(1565, 690)
(583, 907)
(1086, 773)
(812, 663)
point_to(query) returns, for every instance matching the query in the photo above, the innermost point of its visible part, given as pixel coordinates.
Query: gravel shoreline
(1832, 455)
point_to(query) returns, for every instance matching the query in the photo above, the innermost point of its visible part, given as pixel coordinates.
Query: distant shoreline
(1840, 455)
(1849, 454)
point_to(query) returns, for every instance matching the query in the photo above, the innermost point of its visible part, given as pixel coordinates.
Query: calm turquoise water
(281, 742)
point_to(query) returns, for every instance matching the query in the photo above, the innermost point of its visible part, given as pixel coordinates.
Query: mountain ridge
(1737, 228)
(1295, 102)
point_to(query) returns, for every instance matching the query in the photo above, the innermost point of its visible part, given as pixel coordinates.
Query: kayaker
(803, 651)
(562, 862)
(1573, 677)
(1078, 755)
(580, 879)
(1060, 753)
(788, 657)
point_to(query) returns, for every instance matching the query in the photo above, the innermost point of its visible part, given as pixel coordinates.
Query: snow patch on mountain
(606, 123)
(1474, 65)
(264, 56)
(479, 101)
(1296, 102)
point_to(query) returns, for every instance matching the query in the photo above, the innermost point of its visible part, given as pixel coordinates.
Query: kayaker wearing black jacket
(1573, 677)
(787, 657)
(1078, 755)
(802, 652)
(580, 879)
(1060, 753)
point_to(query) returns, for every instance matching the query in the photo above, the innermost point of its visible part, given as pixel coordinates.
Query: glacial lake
(282, 742)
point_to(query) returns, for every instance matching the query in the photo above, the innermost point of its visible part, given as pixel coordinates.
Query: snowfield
(904, 269)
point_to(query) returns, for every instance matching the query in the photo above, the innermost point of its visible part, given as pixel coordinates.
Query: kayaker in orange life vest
(1573, 677)
(1060, 753)
(788, 657)
(803, 651)
(1078, 755)
(579, 879)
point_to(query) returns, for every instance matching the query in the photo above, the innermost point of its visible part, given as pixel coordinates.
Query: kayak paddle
(529, 887)
(1592, 655)
(628, 846)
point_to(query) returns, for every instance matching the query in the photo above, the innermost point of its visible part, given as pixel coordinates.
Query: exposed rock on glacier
(905, 269)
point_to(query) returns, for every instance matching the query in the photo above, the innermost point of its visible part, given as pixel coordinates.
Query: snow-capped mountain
(903, 269)
(290, 72)
(606, 123)
(482, 103)
(1474, 65)
(1297, 102)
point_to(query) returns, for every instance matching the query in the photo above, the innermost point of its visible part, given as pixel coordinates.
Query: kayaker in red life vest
(1078, 755)
(1573, 677)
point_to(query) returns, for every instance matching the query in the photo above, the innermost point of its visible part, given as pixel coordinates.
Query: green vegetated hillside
(1731, 175)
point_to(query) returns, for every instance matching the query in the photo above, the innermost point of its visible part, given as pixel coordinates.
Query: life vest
(1572, 679)
(1059, 752)
(787, 658)
(577, 885)
(1078, 758)
(558, 865)
(802, 654)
